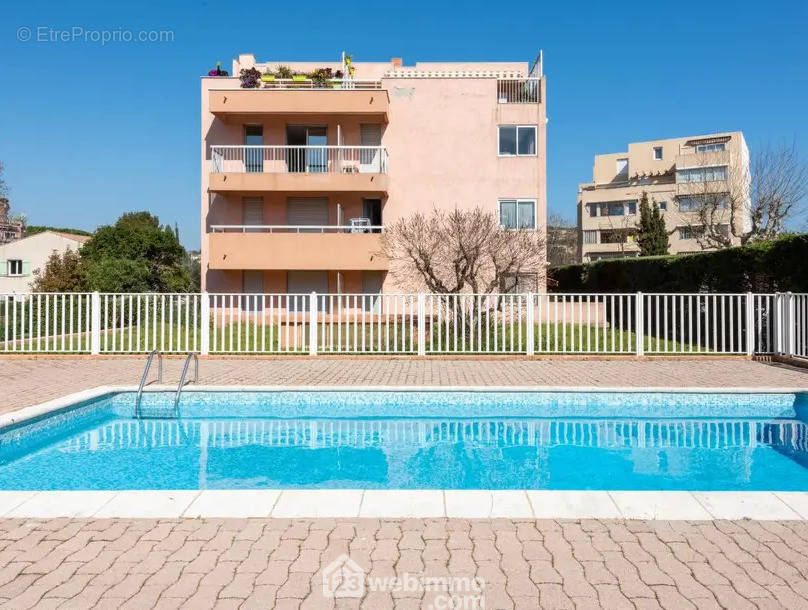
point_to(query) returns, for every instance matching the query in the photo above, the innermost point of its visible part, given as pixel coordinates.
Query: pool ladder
(159, 354)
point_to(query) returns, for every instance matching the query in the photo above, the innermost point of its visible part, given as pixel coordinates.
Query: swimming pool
(415, 440)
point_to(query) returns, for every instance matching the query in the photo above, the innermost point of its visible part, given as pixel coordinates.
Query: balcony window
(517, 214)
(517, 140)
(694, 203)
(590, 237)
(519, 283)
(613, 208)
(618, 236)
(253, 153)
(707, 148)
(690, 232)
(702, 174)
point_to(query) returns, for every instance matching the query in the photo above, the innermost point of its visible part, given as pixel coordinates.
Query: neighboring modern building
(299, 178)
(19, 259)
(680, 175)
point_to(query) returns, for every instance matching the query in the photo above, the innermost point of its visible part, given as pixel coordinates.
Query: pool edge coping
(404, 504)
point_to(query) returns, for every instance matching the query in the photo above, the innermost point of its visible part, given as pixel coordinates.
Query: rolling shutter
(308, 211)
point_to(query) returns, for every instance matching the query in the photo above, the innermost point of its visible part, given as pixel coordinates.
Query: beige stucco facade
(19, 259)
(669, 171)
(283, 176)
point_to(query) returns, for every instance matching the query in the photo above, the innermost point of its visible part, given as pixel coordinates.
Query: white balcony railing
(297, 228)
(519, 90)
(298, 159)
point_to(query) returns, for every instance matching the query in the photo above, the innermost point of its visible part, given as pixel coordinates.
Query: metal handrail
(182, 379)
(145, 375)
(297, 228)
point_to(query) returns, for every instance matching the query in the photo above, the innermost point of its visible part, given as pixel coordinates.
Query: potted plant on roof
(250, 78)
(299, 78)
(283, 72)
(321, 77)
(217, 71)
(267, 77)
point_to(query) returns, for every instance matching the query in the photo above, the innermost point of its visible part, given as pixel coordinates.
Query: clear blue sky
(88, 131)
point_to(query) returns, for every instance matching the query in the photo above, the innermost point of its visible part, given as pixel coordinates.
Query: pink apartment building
(299, 178)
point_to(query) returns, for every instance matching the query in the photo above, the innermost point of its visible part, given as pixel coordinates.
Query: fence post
(531, 330)
(421, 324)
(639, 324)
(204, 316)
(750, 324)
(95, 323)
(790, 324)
(313, 324)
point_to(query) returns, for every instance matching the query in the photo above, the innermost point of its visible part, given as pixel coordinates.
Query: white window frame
(714, 147)
(659, 150)
(535, 129)
(11, 264)
(681, 171)
(518, 200)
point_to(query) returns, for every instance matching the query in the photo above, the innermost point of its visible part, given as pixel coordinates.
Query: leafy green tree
(136, 254)
(652, 236)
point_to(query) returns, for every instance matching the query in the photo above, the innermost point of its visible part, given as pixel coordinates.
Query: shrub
(774, 266)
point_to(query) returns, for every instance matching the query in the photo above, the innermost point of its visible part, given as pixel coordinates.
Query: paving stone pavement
(27, 381)
(277, 563)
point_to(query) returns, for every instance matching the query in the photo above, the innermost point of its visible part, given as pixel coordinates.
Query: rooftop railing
(299, 159)
(519, 90)
(307, 83)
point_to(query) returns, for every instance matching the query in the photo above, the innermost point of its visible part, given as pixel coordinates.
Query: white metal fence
(207, 323)
(298, 159)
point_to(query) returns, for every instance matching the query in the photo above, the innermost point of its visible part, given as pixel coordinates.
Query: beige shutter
(308, 211)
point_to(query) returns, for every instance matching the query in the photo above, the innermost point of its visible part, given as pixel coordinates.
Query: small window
(632, 207)
(517, 140)
(15, 267)
(517, 214)
(657, 153)
(622, 168)
(593, 210)
(663, 205)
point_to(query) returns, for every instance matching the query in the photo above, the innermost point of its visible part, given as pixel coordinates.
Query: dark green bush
(776, 266)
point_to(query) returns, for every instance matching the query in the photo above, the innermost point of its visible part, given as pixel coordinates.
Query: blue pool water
(416, 440)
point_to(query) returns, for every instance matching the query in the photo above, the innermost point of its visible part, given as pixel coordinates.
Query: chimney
(396, 61)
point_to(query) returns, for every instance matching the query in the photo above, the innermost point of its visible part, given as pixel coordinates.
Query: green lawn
(372, 338)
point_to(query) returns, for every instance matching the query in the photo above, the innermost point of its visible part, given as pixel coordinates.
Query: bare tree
(3, 185)
(751, 206)
(562, 241)
(463, 251)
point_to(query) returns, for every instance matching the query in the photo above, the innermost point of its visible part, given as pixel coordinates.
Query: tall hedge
(779, 265)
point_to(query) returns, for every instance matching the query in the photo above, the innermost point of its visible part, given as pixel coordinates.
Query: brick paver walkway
(30, 381)
(265, 563)
(275, 563)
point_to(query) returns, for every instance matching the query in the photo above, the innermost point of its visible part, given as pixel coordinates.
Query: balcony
(295, 97)
(690, 158)
(519, 90)
(296, 247)
(298, 168)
